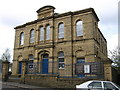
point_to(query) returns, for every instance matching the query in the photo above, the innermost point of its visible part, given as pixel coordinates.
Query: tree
(115, 57)
(6, 55)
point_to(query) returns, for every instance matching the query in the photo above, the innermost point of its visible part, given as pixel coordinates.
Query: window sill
(79, 36)
(61, 68)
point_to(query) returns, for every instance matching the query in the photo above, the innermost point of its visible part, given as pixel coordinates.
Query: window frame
(61, 29)
(41, 34)
(61, 64)
(32, 36)
(31, 62)
(48, 32)
(92, 85)
(79, 28)
(22, 38)
(108, 85)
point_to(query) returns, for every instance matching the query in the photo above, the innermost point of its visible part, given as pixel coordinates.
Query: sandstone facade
(66, 43)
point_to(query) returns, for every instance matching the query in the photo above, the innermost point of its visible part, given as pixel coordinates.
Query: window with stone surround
(30, 64)
(48, 32)
(32, 36)
(79, 28)
(61, 30)
(61, 60)
(22, 38)
(41, 33)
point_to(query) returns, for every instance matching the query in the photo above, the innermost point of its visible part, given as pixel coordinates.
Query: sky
(17, 12)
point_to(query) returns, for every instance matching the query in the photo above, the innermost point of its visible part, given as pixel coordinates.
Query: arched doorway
(20, 58)
(20, 68)
(45, 63)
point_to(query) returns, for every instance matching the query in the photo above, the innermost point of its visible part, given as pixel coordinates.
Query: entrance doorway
(45, 64)
(20, 68)
(81, 61)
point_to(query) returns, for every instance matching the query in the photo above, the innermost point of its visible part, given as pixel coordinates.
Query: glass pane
(32, 36)
(31, 57)
(30, 66)
(61, 54)
(47, 32)
(61, 35)
(45, 56)
(80, 60)
(109, 85)
(22, 38)
(41, 33)
(61, 60)
(61, 65)
(61, 30)
(95, 85)
(79, 28)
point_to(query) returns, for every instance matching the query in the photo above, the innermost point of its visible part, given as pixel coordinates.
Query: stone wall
(53, 81)
(91, 46)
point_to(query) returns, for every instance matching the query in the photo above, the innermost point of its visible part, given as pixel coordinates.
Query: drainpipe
(72, 42)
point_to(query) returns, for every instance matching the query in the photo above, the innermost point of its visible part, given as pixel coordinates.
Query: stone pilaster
(5, 70)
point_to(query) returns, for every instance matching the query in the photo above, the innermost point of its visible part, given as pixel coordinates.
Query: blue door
(20, 68)
(45, 66)
(80, 61)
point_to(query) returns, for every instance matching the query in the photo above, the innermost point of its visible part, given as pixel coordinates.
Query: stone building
(68, 45)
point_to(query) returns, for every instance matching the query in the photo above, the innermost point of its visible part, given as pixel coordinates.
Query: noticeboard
(88, 68)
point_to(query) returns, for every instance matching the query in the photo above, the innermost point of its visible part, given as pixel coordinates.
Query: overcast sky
(18, 12)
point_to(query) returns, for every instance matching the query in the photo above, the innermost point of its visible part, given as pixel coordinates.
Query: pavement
(25, 86)
(20, 86)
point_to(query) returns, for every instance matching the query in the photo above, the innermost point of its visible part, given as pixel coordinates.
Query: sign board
(88, 68)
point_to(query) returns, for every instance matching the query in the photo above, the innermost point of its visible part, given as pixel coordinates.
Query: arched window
(47, 32)
(61, 60)
(79, 28)
(32, 36)
(61, 30)
(22, 38)
(44, 56)
(41, 33)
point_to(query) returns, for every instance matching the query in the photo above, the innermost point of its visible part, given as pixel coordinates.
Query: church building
(69, 45)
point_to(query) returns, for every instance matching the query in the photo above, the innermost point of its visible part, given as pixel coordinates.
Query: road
(12, 86)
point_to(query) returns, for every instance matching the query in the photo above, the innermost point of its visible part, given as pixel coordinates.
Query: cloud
(7, 39)
(113, 42)
(17, 12)
(10, 20)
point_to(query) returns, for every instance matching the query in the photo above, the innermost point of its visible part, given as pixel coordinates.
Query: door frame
(45, 64)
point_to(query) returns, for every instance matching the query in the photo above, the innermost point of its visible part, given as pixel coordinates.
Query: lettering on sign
(88, 68)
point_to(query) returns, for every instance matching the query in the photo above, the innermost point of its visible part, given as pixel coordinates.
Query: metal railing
(81, 70)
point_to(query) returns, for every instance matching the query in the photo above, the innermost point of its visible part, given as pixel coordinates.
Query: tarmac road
(17, 86)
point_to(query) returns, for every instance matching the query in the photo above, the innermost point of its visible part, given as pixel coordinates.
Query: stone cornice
(48, 6)
(60, 15)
